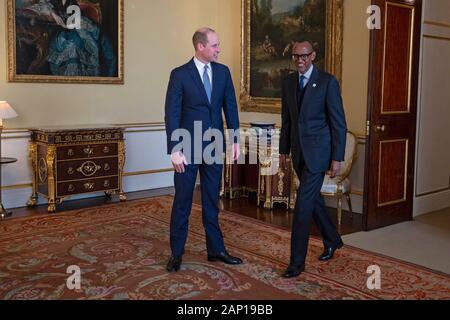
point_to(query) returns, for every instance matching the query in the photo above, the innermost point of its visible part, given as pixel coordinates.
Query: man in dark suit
(197, 93)
(314, 131)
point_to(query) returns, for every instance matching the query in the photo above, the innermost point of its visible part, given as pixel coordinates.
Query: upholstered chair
(340, 186)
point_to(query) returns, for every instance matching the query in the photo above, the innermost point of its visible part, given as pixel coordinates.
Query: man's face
(303, 56)
(210, 52)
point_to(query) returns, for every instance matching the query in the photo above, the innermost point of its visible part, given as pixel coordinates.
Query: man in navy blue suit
(314, 131)
(196, 95)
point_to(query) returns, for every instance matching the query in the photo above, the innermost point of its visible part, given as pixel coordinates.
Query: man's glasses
(301, 56)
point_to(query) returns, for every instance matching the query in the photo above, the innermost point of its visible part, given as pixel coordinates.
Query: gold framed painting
(65, 41)
(269, 29)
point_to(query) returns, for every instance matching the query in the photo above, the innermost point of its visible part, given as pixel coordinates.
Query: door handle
(381, 128)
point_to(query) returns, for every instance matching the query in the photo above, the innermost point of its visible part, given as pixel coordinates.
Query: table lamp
(6, 112)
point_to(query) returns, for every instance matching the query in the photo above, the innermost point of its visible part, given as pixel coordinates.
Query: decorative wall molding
(437, 23)
(144, 169)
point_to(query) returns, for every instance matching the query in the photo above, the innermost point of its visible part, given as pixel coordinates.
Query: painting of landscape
(274, 26)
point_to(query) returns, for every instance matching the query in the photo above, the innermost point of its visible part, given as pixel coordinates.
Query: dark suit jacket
(318, 131)
(186, 102)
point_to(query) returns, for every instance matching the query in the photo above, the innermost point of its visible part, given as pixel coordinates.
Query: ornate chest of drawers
(69, 161)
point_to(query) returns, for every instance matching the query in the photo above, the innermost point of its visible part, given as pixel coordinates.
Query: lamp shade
(6, 111)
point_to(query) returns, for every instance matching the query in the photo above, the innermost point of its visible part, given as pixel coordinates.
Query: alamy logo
(374, 280)
(207, 146)
(74, 281)
(374, 21)
(74, 19)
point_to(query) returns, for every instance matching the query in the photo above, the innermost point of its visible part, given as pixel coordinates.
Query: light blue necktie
(207, 83)
(302, 82)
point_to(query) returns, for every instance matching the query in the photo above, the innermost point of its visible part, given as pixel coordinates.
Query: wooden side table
(76, 160)
(3, 212)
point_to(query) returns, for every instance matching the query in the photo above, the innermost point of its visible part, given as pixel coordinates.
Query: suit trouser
(210, 179)
(309, 204)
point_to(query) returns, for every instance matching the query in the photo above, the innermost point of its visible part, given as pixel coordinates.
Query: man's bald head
(305, 44)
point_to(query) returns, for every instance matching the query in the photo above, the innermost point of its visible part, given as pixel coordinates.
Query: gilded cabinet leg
(32, 157)
(121, 146)
(268, 202)
(32, 201)
(260, 187)
(51, 206)
(222, 181)
(51, 154)
(295, 184)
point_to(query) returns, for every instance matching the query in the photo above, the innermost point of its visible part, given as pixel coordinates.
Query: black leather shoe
(329, 252)
(174, 264)
(293, 271)
(225, 257)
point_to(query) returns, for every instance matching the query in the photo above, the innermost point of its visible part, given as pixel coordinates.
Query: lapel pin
(314, 85)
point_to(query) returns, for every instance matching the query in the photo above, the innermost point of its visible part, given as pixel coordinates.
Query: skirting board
(431, 202)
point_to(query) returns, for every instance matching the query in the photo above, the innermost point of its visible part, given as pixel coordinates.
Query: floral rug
(121, 251)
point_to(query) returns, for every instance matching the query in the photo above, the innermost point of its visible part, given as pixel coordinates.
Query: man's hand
(334, 168)
(236, 151)
(283, 161)
(178, 161)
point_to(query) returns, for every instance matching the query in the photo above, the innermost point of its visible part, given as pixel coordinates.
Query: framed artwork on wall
(65, 41)
(269, 29)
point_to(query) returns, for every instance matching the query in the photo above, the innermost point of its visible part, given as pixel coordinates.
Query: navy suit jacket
(317, 130)
(187, 102)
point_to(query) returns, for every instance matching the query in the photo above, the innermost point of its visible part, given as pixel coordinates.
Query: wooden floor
(279, 216)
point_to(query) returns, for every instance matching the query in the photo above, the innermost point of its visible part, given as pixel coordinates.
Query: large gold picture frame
(42, 49)
(271, 55)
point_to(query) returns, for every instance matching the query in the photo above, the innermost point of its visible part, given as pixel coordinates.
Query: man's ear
(200, 46)
(313, 56)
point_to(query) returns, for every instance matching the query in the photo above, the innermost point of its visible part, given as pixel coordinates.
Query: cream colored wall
(432, 179)
(355, 66)
(157, 39)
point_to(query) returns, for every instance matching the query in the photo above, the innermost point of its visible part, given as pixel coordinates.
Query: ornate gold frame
(14, 77)
(334, 39)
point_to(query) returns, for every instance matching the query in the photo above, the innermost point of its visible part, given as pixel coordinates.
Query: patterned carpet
(122, 250)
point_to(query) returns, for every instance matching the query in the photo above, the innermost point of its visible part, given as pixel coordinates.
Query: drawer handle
(88, 151)
(106, 150)
(70, 152)
(106, 167)
(70, 171)
(88, 168)
(71, 188)
(106, 184)
(88, 185)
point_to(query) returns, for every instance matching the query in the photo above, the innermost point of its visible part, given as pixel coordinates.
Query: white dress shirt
(201, 68)
(307, 75)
